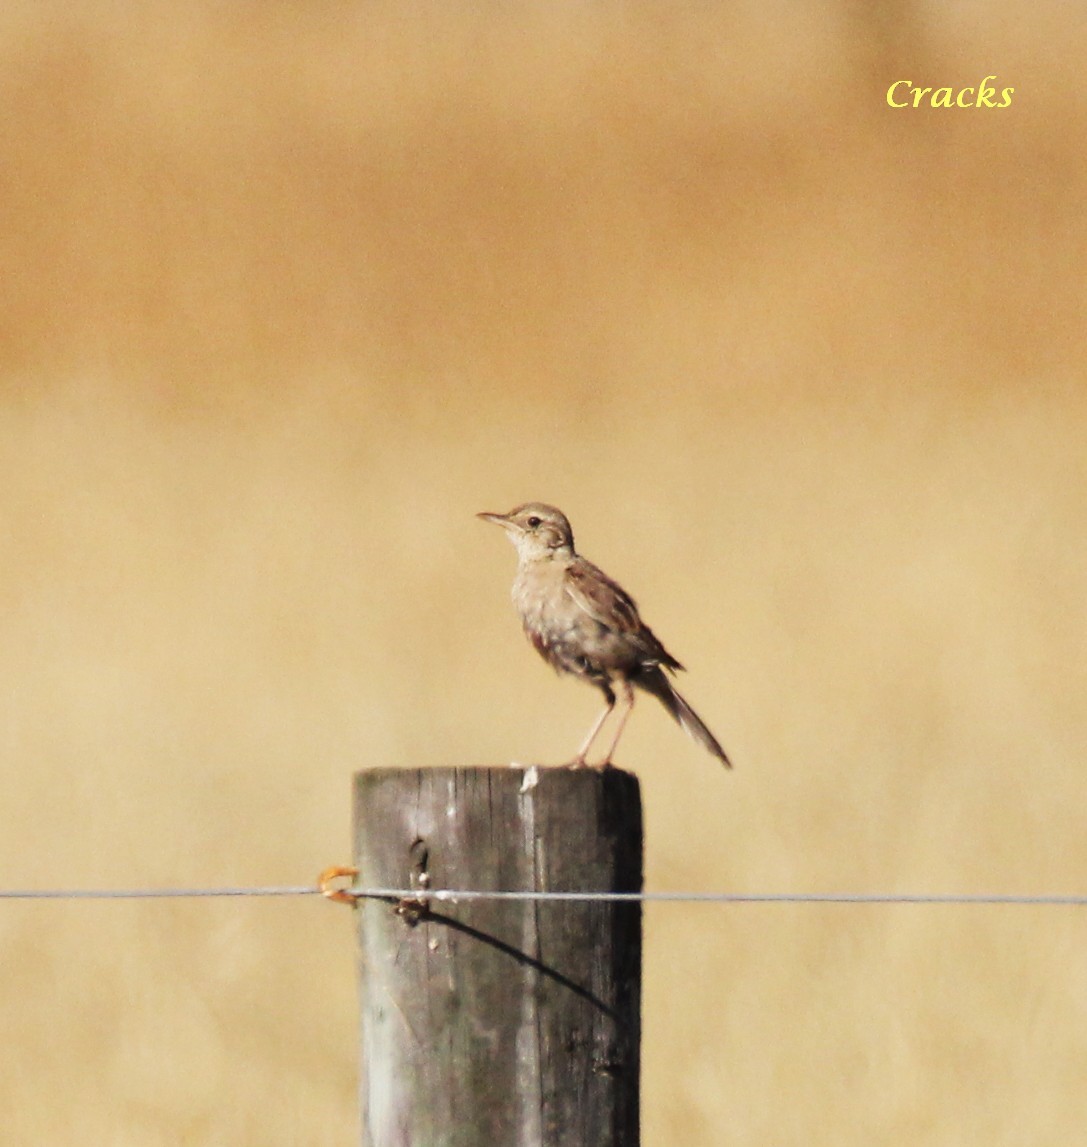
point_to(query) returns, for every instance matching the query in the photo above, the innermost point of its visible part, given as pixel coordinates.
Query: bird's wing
(608, 604)
(601, 598)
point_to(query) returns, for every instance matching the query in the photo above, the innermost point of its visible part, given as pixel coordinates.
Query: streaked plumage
(583, 623)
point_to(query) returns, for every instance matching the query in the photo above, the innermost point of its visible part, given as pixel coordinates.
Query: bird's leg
(628, 692)
(579, 760)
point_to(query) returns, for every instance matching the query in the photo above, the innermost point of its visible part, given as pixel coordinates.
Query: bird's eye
(533, 522)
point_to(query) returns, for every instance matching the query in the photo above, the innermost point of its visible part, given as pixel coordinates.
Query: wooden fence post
(500, 1023)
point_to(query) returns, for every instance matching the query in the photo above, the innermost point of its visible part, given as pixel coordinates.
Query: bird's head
(536, 529)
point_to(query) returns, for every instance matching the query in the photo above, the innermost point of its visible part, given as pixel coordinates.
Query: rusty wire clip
(342, 895)
(410, 909)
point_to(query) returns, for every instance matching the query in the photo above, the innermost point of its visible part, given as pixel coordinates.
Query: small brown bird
(581, 622)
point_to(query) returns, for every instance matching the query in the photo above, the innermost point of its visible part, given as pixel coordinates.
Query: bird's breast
(561, 631)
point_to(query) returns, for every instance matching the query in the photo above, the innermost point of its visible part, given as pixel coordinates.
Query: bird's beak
(498, 519)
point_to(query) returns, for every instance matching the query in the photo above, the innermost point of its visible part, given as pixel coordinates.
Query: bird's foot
(582, 763)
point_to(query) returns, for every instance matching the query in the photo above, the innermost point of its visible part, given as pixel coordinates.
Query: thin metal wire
(746, 897)
(151, 893)
(449, 896)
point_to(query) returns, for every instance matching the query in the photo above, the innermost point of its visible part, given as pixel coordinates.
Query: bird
(583, 623)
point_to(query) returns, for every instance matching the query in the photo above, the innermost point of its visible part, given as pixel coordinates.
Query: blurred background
(291, 290)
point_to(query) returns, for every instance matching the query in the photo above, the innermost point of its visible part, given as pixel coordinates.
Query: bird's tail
(653, 680)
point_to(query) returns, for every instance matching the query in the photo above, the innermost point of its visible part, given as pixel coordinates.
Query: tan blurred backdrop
(290, 290)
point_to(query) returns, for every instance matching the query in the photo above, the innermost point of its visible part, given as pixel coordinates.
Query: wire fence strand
(153, 893)
(451, 896)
